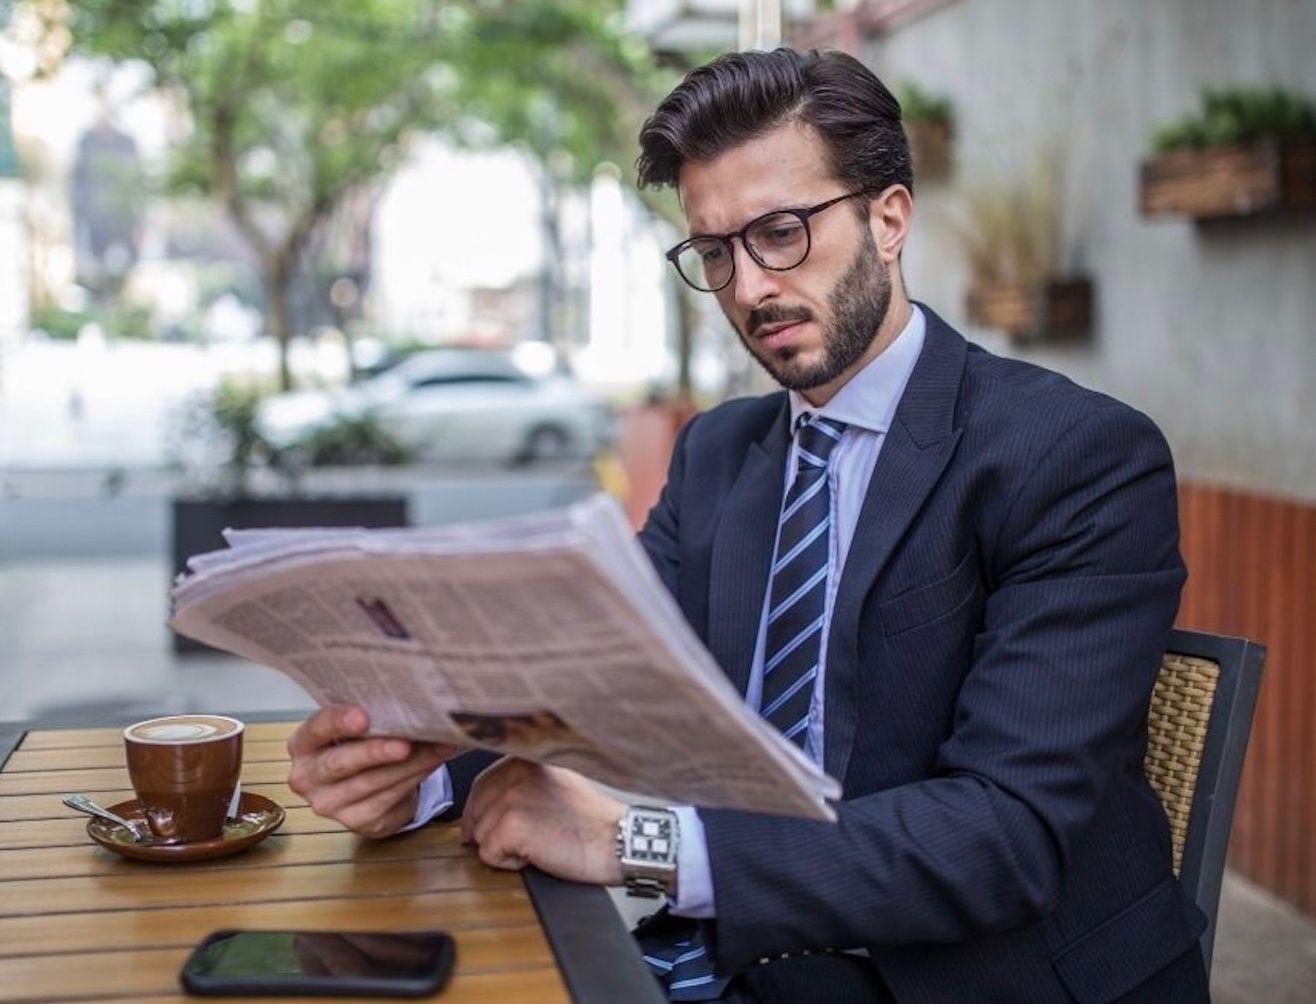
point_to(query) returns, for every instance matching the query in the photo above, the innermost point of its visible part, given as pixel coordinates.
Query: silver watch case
(647, 839)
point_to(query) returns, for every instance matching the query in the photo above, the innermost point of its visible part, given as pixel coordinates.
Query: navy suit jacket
(999, 624)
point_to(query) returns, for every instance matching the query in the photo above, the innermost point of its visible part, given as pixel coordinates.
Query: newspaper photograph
(548, 637)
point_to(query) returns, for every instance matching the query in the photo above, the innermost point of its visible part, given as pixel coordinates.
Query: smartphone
(320, 963)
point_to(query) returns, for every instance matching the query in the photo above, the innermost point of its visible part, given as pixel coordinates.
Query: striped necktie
(797, 595)
(792, 646)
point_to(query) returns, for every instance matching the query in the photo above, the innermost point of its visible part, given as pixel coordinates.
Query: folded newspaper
(548, 637)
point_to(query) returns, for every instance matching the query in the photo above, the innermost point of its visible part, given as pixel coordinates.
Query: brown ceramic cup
(184, 769)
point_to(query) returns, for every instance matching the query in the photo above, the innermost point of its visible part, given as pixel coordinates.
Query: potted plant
(1246, 152)
(1015, 242)
(236, 478)
(930, 125)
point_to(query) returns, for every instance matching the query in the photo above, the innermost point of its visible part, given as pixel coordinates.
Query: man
(949, 577)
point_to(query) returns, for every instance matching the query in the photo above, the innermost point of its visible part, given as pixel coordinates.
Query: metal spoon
(84, 804)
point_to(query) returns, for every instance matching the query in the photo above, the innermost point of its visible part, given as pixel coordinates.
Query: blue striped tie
(796, 603)
(798, 594)
(683, 967)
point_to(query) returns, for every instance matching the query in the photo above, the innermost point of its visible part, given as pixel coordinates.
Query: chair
(1201, 714)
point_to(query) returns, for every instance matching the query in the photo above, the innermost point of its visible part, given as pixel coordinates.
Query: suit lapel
(916, 450)
(742, 551)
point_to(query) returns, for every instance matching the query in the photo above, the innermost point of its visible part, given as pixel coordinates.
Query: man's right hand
(368, 785)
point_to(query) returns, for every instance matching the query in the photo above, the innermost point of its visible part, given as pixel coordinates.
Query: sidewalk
(1265, 950)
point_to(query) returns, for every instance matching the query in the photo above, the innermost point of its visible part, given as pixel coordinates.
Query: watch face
(650, 839)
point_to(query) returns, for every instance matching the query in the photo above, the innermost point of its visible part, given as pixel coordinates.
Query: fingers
(494, 819)
(499, 838)
(350, 759)
(329, 797)
(487, 788)
(384, 813)
(327, 726)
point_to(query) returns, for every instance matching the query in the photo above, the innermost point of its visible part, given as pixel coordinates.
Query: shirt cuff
(435, 797)
(694, 879)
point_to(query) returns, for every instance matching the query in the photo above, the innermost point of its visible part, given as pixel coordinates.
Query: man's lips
(779, 333)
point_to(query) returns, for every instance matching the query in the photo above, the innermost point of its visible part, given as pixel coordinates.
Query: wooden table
(77, 921)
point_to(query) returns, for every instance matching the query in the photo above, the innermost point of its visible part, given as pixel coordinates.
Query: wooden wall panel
(1252, 572)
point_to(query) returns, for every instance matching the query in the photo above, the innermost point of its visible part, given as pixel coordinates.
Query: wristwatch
(646, 846)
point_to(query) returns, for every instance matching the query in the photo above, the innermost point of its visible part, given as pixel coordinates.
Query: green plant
(117, 320)
(918, 105)
(58, 322)
(351, 440)
(1015, 232)
(128, 321)
(215, 440)
(1237, 115)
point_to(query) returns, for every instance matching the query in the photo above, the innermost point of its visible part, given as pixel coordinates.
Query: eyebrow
(793, 208)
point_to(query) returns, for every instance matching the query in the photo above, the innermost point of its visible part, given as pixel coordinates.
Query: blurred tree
(293, 105)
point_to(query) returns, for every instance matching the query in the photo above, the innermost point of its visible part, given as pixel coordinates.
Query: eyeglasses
(779, 241)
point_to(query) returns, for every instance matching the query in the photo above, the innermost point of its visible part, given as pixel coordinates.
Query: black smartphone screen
(320, 962)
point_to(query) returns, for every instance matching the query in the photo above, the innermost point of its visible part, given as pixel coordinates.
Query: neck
(897, 316)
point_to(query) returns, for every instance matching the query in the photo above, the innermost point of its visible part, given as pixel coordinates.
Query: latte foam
(182, 729)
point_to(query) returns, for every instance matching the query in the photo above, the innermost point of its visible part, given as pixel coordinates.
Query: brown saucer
(257, 818)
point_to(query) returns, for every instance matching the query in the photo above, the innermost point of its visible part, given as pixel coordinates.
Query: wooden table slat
(48, 806)
(72, 831)
(526, 986)
(181, 926)
(153, 887)
(84, 757)
(154, 970)
(49, 739)
(276, 851)
(58, 782)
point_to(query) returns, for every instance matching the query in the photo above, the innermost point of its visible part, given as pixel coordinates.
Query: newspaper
(548, 637)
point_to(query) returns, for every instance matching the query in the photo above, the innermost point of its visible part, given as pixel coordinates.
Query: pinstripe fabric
(994, 639)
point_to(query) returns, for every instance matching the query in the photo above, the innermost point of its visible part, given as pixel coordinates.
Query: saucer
(257, 818)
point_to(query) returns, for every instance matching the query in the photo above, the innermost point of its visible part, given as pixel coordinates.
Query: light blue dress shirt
(867, 405)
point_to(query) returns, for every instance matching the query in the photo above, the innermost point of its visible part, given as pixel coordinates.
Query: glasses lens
(706, 263)
(780, 240)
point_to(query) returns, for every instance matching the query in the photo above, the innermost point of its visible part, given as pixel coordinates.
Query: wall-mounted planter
(929, 148)
(1217, 182)
(1032, 311)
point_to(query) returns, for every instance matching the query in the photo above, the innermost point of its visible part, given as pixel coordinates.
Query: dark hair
(742, 95)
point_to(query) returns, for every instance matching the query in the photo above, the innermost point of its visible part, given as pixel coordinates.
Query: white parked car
(455, 404)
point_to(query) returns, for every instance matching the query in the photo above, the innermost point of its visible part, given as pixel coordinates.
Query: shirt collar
(869, 398)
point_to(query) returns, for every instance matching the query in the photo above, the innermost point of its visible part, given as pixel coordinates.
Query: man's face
(811, 324)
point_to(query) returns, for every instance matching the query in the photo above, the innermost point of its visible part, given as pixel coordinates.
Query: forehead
(785, 167)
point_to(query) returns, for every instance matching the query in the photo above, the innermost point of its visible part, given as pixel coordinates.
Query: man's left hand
(521, 813)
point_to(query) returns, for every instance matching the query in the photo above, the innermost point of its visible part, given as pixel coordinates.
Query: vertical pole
(760, 24)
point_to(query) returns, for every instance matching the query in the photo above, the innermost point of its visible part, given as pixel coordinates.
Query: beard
(856, 306)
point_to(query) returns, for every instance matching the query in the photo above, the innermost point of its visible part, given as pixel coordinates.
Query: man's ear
(889, 217)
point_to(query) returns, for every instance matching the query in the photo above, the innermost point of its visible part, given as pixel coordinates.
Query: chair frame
(1211, 815)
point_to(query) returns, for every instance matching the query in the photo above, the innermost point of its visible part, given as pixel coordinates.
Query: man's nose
(753, 283)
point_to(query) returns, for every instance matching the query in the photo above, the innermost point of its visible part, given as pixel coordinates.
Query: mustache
(774, 314)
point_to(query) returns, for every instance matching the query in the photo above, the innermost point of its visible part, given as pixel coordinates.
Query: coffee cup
(184, 769)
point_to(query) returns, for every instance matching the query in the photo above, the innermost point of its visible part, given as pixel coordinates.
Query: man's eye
(712, 254)
(783, 234)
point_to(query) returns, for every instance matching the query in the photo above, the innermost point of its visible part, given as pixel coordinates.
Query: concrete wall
(1209, 329)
